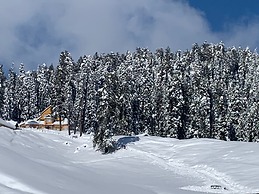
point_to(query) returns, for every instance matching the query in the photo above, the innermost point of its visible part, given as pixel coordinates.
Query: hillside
(50, 162)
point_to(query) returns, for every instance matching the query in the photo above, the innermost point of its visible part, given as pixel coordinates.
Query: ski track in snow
(209, 175)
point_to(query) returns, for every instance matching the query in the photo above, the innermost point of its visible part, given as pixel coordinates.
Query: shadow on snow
(123, 141)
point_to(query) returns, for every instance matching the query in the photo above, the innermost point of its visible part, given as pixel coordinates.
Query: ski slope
(51, 162)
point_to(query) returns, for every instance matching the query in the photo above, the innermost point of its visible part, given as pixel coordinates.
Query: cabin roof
(46, 109)
(45, 112)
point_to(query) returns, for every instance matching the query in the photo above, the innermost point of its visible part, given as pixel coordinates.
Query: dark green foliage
(2, 89)
(10, 97)
(210, 91)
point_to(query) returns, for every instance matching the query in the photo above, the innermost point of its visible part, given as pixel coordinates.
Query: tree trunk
(211, 116)
(60, 128)
(69, 126)
(83, 110)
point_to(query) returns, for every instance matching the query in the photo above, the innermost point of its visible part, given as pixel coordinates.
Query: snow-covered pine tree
(124, 96)
(19, 95)
(141, 87)
(209, 86)
(166, 77)
(160, 92)
(186, 92)
(84, 95)
(10, 111)
(107, 111)
(43, 87)
(26, 94)
(248, 90)
(2, 89)
(237, 104)
(63, 87)
(209, 91)
(204, 96)
(29, 98)
(198, 113)
(112, 63)
(221, 90)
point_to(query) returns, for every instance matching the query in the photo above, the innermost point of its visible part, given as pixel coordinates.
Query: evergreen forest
(209, 91)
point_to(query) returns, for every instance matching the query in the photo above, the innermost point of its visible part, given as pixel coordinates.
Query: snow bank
(50, 162)
(6, 124)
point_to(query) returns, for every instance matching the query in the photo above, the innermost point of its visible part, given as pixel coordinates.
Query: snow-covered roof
(32, 122)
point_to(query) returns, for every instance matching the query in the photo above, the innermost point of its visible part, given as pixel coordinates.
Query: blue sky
(221, 13)
(35, 32)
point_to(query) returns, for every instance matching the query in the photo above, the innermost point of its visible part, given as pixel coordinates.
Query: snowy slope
(50, 162)
(6, 124)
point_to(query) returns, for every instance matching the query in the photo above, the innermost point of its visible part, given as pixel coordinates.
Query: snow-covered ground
(10, 125)
(51, 162)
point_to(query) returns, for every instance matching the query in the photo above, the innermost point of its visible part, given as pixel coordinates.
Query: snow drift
(51, 162)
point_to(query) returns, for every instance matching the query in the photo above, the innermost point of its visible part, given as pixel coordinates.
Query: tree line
(209, 91)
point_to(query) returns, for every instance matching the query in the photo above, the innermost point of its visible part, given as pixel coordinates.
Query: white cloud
(242, 34)
(37, 31)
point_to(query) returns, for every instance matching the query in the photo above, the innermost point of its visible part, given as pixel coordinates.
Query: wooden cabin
(46, 120)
